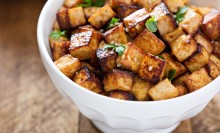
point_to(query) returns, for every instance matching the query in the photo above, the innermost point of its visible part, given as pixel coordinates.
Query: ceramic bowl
(117, 116)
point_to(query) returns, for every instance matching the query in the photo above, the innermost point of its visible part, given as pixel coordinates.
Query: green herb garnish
(113, 22)
(151, 24)
(171, 74)
(89, 3)
(180, 15)
(119, 48)
(161, 57)
(57, 34)
(99, 3)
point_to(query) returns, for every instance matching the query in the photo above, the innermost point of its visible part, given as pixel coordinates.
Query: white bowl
(117, 116)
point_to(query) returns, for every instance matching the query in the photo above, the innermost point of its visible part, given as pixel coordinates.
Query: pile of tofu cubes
(190, 47)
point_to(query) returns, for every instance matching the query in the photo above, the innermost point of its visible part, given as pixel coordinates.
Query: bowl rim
(46, 56)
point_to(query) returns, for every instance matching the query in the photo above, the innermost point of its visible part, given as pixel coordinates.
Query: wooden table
(29, 103)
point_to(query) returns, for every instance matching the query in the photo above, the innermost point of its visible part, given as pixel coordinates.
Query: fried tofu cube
(68, 65)
(135, 22)
(152, 46)
(211, 24)
(201, 10)
(116, 35)
(163, 90)
(198, 60)
(170, 37)
(60, 48)
(191, 22)
(173, 5)
(201, 39)
(83, 45)
(180, 80)
(87, 79)
(181, 89)
(72, 3)
(152, 68)
(197, 80)
(116, 3)
(140, 89)
(122, 95)
(83, 64)
(172, 64)
(183, 47)
(212, 69)
(63, 19)
(90, 10)
(76, 17)
(118, 80)
(101, 16)
(56, 26)
(107, 59)
(148, 4)
(185, 1)
(131, 58)
(216, 46)
(215, 59)
(125, 10)
(53, 40)
(165, 20)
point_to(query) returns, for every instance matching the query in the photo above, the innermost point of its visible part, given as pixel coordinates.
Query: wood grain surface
(29, 103)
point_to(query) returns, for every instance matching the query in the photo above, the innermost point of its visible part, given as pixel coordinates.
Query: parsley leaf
(99, 3)
(180, 15)
(118, 48)
(161, 57)
(89, 3)
(58, 34)
(171, 74)
(113, 22)
(151, 24)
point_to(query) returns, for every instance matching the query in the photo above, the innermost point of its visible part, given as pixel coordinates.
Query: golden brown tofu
(101, 17)
(201, 39)
(122, 95)
(197, 80)
(76, 17)
(131, 58)
(116, 35)
(63, 19)
(116, 3)
(152, 46)
(180, 80)
(68, 65)
(148, 4)
(197, 60)
(163, 90)
(183, 47)
(165, 20)
(191, 22)
(181, 89)
(56, 26)
(152, 68)
(173, 5)
(170, 37)
(90, 10)
(211, 24)
(185, 1)
(83, 64)
(118, 80)
(53, 40)
(215, 59)
(173, 64)
(135, 22)
(60, 48)
(201, 10)
(140, 89)
(107, 59)
(72, 3)
(86, 43)
(124, 10)
(87, 79)
(212, 69)
(216, 51)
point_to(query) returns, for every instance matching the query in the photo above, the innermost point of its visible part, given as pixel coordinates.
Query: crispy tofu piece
(140, 89)
(170, 37)
(122, 95)
(56, 26)
(191, 22)
(172, 64)
(197, 60)
(180, 80)
(76, 17)
(215, 59)
(125, 10)
(118, 80)
(60, 48)
(114, 4)
(183, 47)
(52, 40)
(201, 39)
(211, 24)
(148, 4)
(107, 59)
(72, 3)
(90, 10)
(135, 22)
(201, 10)
(152, 46)
(83, 64)
(152, 68)
(116, 35)
(87, 79)
(216, 46)
(68, 65)
(165, 20)
(185, 1)
(173, 5)
(63, 19)
(212, 69)
(163, 90)
(197, 80)
(86, 43)
(181, 89)
(101, 16)
(131, 58)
